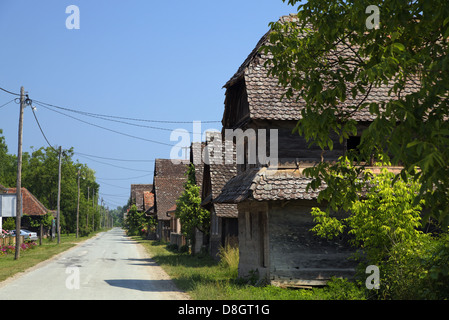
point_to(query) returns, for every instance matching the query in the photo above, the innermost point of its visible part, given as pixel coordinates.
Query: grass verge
(205, 279)
(29, 258)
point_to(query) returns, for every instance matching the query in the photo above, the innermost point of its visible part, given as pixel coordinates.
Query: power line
(112, 165)
(112, 185)
(113, 159)
(16, 94)
(104, 128)
(135, 124)
(113, 195)
(38, 124)
(3, 105)
(118, 117)
(131, 178)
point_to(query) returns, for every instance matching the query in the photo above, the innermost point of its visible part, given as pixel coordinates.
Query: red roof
(31, 206)
(148, 200)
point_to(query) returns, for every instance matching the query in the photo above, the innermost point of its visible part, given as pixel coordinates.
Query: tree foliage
(136, 222)
(410, 46)
(189, 210)
(382, 216)
(385, 221)
(40, 177)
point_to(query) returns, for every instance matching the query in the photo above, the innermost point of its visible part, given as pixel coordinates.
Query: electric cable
(113, 159)
(3, 105)
(7, 91)
(104, 128)
(112, 165)
(118, 117)
(45, 137)
(120, 179)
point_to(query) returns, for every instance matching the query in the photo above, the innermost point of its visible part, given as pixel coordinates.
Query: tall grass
(229, 258)
(205, 279)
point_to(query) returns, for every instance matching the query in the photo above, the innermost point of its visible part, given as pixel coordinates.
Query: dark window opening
(353, 143)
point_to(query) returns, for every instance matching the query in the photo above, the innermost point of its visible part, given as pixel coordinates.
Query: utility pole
(87, 210)
(78, 207)
(93, 206)
(58, 216)
(19, 175)
(102, 212)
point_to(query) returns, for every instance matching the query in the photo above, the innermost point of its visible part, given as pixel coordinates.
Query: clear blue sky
(145, 59)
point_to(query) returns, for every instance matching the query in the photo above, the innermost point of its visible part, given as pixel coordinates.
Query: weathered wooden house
(168, 185)
(176, 236)
(273, 205)
(224, 216)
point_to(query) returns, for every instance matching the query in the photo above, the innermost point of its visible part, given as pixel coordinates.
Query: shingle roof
(196, 151)
(30, 205)
(220, 174)
(264, 93)
(148, 200)
(137, 195)
(267, 184)
(169, 179)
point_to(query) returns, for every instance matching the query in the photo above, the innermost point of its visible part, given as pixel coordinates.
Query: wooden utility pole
(19, 175)
(93, 206)
(102, 213)
(87, 210)
(58, 216)
(78, 207)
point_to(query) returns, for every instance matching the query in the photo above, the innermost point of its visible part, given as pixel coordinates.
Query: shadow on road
(143, 285)
(141, 262)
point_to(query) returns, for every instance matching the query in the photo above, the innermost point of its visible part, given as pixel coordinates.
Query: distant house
(31, 206)
(169, 179)
(141, 196)
(274, 219)
(176, 236)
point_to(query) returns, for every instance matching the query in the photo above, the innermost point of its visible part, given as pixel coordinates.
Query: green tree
(188, 208)
(410, 46)
(136, 222)
(381, 217)
(385, 222)
(40, 177)
(8, 164)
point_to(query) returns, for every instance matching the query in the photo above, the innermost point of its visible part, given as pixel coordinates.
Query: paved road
(109, 266)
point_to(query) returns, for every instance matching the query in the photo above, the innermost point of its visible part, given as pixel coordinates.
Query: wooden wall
(296, 253)
(275, 239)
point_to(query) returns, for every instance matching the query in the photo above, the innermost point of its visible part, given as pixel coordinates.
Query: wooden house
(224, 216)
(141, 196)
(168, 185)
(176, 236)
(274, 219)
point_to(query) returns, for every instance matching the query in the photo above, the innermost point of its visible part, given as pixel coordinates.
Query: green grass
(31, 257)
(205, 279)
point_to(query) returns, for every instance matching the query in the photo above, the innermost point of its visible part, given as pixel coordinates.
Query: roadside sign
(8, 205)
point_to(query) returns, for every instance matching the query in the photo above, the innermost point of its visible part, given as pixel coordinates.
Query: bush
(341, 289)
(10, 249)
(84, 231)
